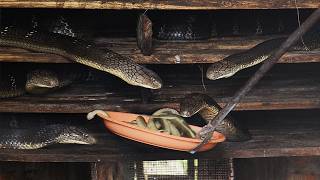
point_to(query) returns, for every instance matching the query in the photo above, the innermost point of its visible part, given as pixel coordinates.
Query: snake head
(76, 135)
(191, 104)
(41, 81)
(221, 69)
(147, 78)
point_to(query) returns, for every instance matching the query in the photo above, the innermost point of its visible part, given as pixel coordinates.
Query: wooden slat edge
(184, 4)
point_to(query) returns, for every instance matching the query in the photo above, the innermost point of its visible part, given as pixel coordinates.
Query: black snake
(38, 81)
(195, 26)
(81, 52)
(182, 26)
(44, 136)
(232, 64)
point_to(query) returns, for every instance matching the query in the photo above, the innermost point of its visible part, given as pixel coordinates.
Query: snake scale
(203, 104)
(38, 81)
(183, 26)
(230, 65)
(195, 26)
(81, 52)
(44, 136)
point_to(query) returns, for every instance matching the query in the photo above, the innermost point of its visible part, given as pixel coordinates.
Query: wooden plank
(290, 168)
(286, 87)
(209, 51)
(48, 171)
(162, 4)
(274, 134)
(261, 168)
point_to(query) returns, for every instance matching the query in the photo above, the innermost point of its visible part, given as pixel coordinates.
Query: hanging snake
(35, 138)
(207, 108)
(81, 52)
(232, 64)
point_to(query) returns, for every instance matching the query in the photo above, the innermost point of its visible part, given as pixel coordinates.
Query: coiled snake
(208, 109)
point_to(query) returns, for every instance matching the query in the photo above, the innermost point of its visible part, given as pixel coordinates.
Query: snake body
(44, 136)
(208, 109)
(38, 81)
(11, 84)
(42, 81)
(236, 62)
(183, 26)
(81, 52)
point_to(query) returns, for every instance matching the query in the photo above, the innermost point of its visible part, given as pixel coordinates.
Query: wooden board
(303, 168)
(274, 134)
(162, 4)
(287, 86)
(48, 171)
(209, 51)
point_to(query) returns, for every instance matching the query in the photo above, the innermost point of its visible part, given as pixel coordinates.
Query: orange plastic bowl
(117, 122)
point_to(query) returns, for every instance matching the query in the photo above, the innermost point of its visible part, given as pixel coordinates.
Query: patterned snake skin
(81, 52)
(44, 136)
(208, 109)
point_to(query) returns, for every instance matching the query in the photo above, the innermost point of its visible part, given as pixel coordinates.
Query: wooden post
(101, 171)
(106, 171)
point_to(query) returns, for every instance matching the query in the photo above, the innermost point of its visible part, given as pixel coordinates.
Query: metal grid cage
(196, 169)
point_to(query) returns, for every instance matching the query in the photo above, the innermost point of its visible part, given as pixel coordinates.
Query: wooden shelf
(209, 51)
(276, 133)
(287, 86)
(162, 4)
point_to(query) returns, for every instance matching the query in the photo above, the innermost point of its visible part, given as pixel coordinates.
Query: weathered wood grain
(160, 4)
(48, 171)
(209, 51)
(302, 168)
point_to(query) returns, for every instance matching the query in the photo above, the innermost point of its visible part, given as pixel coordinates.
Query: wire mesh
(196, 169)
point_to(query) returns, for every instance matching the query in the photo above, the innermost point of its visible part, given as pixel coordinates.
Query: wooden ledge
(287, 86)
(209, 51)
(161, 4)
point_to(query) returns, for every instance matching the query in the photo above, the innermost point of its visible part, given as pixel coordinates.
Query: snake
(11, 86)
(232, 64)
(38, 81)
(208, 108)
(34, 138)
(82, 52)
(182, 26)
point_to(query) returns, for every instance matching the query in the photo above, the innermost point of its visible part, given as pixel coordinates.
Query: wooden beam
(209, 51)
(161, 4)
(294, 87)
(303, 168)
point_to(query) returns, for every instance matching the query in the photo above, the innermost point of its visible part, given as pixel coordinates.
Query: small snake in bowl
(35, 138)
(207, 108)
